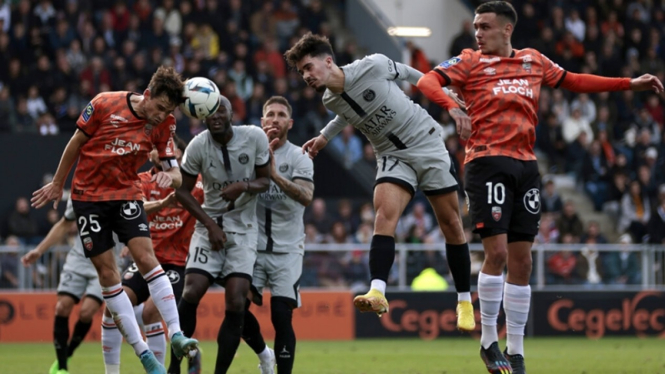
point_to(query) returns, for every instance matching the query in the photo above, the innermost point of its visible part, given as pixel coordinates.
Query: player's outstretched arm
(314, 145)
(53, 190)
(589, 83)
(54, 236)
(430, 85)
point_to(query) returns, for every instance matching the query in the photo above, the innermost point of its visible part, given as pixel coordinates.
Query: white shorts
(77, 286)
(281, 273)
(236, 259)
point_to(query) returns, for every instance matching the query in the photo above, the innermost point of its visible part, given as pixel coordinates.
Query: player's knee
(496, 255)
(146, 261)
(108, 276)
(88, 311)
(64, 306)
(151, 315)
(193, 292)
(520, 265)
(385, 222)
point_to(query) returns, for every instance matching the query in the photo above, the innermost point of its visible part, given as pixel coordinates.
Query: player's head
(219, 123)
(277, 114)
(180, 146)
(162, 96)
(314, 59)
(494, 24)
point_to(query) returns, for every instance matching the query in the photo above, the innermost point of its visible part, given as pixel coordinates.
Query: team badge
(368, 95)
(147, 129)
(283, 168)
(532, 201)
(87, 243)
(496, 213)
(243, 158)
(448, 63)
(130, 210)
(87, 112)
(173, 276)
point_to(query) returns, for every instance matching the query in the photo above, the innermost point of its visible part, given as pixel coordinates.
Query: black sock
(251, 332)
(228, 340)
(174, 365)
(187, 314)
(459, 264)
(80, 331)
(381, 256)
(285, 338)
(60, 338)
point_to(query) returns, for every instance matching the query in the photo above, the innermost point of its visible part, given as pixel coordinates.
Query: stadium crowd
(56, 55)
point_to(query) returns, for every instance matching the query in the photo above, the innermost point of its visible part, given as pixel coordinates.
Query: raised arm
(54, 236)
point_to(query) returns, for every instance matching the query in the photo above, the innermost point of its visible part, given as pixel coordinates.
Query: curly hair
(166, 81)
(278, 100)
(309, 45)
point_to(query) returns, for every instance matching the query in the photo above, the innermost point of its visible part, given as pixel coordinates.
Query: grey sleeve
(333, 128)
(191, 159)
(303, 168)
(262, 147)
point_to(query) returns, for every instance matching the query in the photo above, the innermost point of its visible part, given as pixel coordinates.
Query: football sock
(285, 338)
(516, 303)
(459, 264)
(111, 342)
(154, 334)
(490, 292)
(138, 313)
(60, 337)
(187, 312)
(80, 331)
(162, 295)
(122, 311)
(228, 340)
(381, 258)
(251, 332)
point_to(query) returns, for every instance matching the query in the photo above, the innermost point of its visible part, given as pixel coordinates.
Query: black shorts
(98, 220)
(503, 195)
(133, 279)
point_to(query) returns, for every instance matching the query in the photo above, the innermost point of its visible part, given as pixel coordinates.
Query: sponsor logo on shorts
(496, 213)
(130, 210)
(532, 201)
(173, 275)
(143, 227)
(87, 243)
(243, 158)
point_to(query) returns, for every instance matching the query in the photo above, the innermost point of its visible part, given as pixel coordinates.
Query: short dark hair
(278, 100)
(500, 8)
(166, 81)
(309, 45)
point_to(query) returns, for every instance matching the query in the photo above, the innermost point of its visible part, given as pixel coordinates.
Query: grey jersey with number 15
(281, 227)
(374, 104)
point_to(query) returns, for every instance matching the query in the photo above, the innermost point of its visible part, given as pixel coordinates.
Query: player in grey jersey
(234, 163)
(281, 239)
(78, 281)
(410, 152)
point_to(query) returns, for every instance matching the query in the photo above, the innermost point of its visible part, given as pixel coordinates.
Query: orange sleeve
(430, 85)
(162, 138)
(88, 121)
(588, 83)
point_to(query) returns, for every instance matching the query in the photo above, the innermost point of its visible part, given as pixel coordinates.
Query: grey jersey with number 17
(374, 104)
(281, 227)
(76, 262)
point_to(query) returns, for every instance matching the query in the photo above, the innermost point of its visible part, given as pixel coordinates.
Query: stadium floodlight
(413, 32)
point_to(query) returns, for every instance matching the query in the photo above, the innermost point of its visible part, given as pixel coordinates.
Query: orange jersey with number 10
(501, 95)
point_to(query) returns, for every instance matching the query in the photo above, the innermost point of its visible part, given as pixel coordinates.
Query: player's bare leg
(490, 293)
(390, 200)
(228, 338)
(161, 292)
(517, 299)
(446, 209)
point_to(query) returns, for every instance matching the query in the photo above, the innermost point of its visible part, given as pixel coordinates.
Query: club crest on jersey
(147, 129)
(87, 112)
(87, 243)
(496, 213)
(526, 64)
(243, 158)
(283, 168)
(368, 95)
(448, 63)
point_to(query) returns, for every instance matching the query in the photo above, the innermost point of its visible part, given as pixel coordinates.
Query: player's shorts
(425, 166)
(98, 220)
(503, 195)
(281, 273)
(133, 279)
(235, 260)
(77, 286)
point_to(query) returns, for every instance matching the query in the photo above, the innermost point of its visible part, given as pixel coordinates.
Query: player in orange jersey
(116, 131)
(501, 87)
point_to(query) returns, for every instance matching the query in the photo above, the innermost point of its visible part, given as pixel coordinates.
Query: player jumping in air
(116, 131)
(410, 153)
(501, 87)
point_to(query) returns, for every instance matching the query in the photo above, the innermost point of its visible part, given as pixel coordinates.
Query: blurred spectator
(7, 112)
(635, 212)
(262, 23)
(644, 121)
(569, 223)
(270, 54)
(561, 265)
(348, 145)
(207, 40)
(595, 174)
(549, 139)
(465, 39)
(589, 266)
(20, 222)
(5, 16)
(418, 217)
(369, 158)
(656, 226)
(550, 199)
(318, 216)
(24, 121)
(575, 25)
(243, 81)
(622, 267)
(286, 21)
(576, 124)
(9, 264)
(35, 103)
(586, 105)
(346, 216)
(170, 17)
(418, 59)
(593, 234)
(547, 231)
(314, 15)
(95, 75)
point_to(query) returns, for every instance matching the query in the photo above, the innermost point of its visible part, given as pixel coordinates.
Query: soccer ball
(201, 98)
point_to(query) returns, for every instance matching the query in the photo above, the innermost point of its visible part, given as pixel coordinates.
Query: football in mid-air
(200, 98)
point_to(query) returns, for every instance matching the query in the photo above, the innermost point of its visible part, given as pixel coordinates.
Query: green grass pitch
(382, 356)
